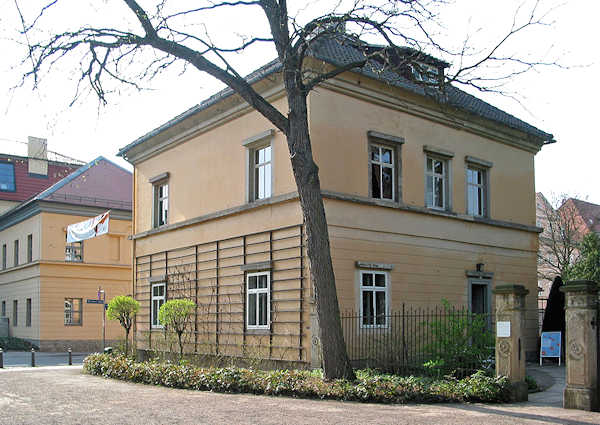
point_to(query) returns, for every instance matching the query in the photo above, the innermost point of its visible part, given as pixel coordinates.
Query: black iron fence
(431, 341)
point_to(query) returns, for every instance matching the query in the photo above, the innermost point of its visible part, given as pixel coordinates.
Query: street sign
(94, 301)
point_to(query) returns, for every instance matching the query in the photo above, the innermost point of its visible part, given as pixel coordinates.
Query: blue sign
(550, 346)
(94, 301)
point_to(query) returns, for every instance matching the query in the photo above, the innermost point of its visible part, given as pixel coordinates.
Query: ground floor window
(479, 296)
(73, 311)
(15, 313)
(158, 299)
(258, 288)
(374, 298)
(28, 313)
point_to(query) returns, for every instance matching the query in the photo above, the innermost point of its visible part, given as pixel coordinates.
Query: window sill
(73, 324)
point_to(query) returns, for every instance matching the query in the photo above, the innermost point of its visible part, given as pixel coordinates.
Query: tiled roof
(338, 51)
(590, 214)
(28, 185)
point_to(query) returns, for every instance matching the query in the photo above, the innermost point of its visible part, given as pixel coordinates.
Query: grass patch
(16, 344)
(370, 386)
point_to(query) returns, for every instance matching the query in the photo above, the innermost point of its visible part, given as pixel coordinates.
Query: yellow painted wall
(30, 226)
(113, 248)
(208, 172)
(19, 284)
(339, 125)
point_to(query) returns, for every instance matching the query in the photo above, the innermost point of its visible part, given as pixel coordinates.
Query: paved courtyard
(64, 395)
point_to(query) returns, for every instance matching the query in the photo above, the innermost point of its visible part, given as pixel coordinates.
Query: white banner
(88, 229)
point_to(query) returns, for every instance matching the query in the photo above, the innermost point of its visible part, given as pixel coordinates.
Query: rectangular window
(480, 296)
(7, 177)
(28, 313)
(3, 308)
(74, 251)
(476, 191)
(15, 313)
(374, 299)
(29, 248)
(258, 300)
(4, 256)
(261, 177)
(383, 172)
(16, 257)
(73, 311)
(436, 183)
(161, 204)
(158, 299)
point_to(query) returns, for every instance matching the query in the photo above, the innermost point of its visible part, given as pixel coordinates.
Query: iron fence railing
(431, 341)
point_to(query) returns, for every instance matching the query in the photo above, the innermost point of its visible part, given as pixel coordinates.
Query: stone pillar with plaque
(510, 329)
(581, 345)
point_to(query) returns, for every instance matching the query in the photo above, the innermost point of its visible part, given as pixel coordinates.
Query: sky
(559, 100)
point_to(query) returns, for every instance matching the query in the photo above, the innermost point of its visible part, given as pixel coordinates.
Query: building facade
(45, 282)
(424, 202)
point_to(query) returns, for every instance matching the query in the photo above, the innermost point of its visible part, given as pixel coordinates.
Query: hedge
(369, 387)
(16, 344)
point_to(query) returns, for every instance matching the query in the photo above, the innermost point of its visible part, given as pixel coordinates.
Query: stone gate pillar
(581, 345)
(510, 329)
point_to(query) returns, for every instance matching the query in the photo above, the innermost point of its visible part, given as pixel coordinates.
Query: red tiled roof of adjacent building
(28, 185)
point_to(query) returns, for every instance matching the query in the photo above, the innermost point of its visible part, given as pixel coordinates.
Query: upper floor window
(258, 297)
(3, 256)
(29, 248)
(16, 253)
(159, 295)
(261, 174)
(74, 251)
(437, 178)
(260, 166)
(374, 298)
(477, 186)
(476, 191)
(382, 172)
(3, 308)
(161, 204)
(7, 177)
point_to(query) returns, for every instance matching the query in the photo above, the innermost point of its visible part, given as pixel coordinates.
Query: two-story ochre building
(425, 200)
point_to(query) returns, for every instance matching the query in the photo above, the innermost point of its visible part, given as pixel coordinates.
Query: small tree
(587, 265)
(123, 308)
(175, 314)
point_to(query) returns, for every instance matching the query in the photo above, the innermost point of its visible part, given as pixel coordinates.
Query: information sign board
(551, 345)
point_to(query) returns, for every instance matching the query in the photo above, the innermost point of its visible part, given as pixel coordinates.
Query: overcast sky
(559, 101)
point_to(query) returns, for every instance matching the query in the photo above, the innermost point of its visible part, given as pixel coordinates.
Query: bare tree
(106, 53)
(559, 242)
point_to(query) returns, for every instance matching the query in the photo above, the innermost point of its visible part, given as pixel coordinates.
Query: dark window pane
(429, 192)
(375, 181)
(380, 306)
(438, 167)
(374, 153)
(429, 164)
(262, 281)
(251, 282)
(439, 192)
(379, 279)
(7, 176)
(262, 308)
(252, 309)
(387, 183)
(367, 302)
(367, 279)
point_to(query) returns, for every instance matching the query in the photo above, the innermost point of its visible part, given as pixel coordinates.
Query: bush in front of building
(16, 344)
(370, 386)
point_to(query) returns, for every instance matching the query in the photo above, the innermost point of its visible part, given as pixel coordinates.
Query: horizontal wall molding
(258, 137)
(256, 267)
(438, 151)
(161, 176)
(478, 161)
(372, 134)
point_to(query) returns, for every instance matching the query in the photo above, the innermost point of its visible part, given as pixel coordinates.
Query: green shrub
(123, 309)
(532, 385)
(16, 344)
(370, 386)
(461, 343)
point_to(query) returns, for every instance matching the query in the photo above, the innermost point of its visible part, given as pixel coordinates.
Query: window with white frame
(261, 169)
(161, 203)
(74, 251)
(436, 183)
(476, 191)
(258, 300)
(374, 298)
(383, 172)
(158, 299)
(73, 311)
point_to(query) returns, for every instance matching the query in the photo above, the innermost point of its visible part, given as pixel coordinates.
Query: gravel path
(64, 395)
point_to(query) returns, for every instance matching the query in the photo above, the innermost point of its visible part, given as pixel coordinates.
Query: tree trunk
(126, 342)
(306, 173)
(179, 335)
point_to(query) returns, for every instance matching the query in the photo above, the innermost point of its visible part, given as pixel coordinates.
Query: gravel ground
(64, 395)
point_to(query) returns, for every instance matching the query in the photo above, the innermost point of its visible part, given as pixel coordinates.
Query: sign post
(550, 346)
(101, 299)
